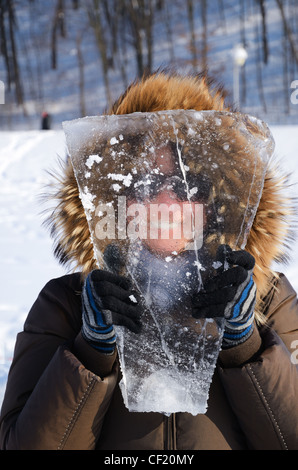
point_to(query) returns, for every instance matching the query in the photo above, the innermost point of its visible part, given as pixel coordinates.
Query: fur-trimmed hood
(271, 228)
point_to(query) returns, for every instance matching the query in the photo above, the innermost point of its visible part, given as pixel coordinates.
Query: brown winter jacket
(61, 394)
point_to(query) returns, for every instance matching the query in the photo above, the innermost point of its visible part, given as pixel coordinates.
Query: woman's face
(167, 221)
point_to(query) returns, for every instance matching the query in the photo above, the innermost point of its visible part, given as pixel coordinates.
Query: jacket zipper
(170, 432)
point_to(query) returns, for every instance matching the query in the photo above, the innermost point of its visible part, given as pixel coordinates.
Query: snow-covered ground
(26, 256)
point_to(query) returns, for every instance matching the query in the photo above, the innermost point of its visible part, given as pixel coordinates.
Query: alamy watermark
(294, 354)
(294, 94)
(153, 221)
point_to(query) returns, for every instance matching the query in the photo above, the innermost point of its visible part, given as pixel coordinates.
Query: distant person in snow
(45, 121)
(63, 387)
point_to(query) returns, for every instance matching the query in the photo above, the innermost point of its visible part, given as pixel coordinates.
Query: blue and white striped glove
(108, 299)
(230, 294)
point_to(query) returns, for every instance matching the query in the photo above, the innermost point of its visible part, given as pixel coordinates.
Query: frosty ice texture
(202, 171)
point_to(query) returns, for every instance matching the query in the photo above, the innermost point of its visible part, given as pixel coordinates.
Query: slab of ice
(161, 192)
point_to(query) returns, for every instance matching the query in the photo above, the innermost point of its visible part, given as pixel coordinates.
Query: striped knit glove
(231, 294)
(107, 299)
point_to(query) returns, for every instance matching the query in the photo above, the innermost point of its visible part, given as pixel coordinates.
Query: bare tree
(264, 30)
(140, 14)
(191, 22)
(95, 14)
(4, 44)
(81, 66)
(169, 31)
(258, 63)
(204, 34)
(287, 30)
(57, 25)
(9, 49)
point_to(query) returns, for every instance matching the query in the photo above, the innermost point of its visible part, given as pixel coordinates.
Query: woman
(62, 390)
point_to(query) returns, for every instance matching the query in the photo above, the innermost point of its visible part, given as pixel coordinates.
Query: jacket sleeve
(262, 390)
(52, 400)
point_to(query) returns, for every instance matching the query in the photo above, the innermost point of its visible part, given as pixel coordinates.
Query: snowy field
(26, 256)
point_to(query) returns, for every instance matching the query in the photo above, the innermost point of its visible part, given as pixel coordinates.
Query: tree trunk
(204, 35)
(58, 23)
(81, 76)
(3, 46)
(16, 70)
(193, 47)
(94, 14)
(288, 31)
(264, 31)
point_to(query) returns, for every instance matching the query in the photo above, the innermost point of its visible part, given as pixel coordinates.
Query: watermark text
(2, 92)
(294, 94)
(294, 354)
(152, 221)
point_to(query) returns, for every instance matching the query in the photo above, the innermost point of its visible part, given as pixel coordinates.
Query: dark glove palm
(107, 300)
(230, 294)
